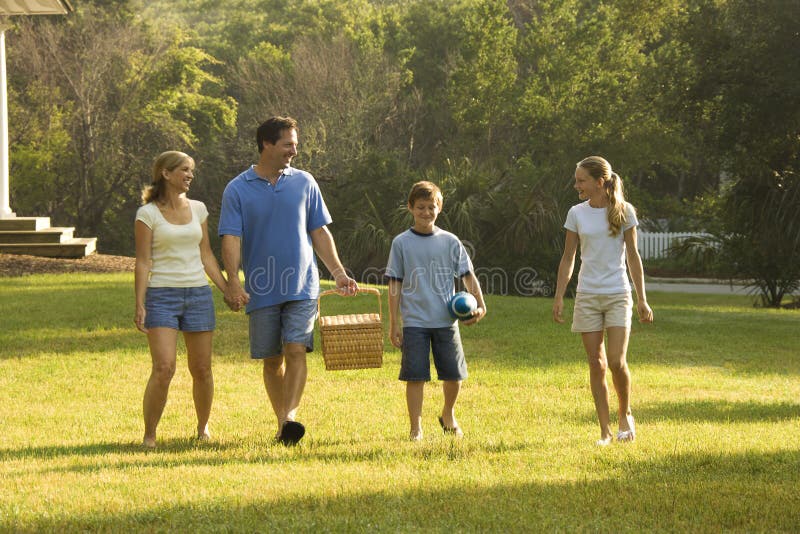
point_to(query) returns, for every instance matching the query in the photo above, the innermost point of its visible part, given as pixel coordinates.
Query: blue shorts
(448, 355)
(188, 309)
(288, 322)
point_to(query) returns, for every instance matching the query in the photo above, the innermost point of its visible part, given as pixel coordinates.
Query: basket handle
(372, 290)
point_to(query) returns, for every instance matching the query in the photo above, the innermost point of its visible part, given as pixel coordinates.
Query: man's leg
(294, 379)
(274, 371)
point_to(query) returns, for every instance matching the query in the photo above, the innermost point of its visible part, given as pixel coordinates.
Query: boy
(423, 264)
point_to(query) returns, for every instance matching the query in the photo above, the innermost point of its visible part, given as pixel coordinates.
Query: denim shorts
(288, 322)
(188, 309)
(448, 354)
(595, 313)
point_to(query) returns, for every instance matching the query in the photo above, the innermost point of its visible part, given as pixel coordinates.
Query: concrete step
(24, 224)
(73, 248)
(46, 235)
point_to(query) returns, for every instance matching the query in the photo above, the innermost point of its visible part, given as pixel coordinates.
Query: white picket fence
(653, 245)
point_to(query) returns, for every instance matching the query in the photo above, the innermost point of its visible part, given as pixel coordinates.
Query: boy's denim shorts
(188, 309)
(288, 322)
(448, 354)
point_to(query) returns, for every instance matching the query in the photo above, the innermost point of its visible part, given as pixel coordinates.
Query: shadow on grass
(682, 493)
(718, 411)
(169, 446)
(173, 453)
(714, 411)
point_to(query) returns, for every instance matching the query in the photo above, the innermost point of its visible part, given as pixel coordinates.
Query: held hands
(235, 297)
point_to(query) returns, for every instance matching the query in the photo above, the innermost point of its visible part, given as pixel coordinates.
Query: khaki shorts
(595, 313)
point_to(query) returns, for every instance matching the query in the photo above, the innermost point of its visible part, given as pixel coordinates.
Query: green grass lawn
(716, 397)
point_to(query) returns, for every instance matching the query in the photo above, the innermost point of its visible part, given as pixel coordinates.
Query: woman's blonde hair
(169, 161)
(600, 169)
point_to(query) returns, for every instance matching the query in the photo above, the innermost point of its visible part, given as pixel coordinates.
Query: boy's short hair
(426, 191)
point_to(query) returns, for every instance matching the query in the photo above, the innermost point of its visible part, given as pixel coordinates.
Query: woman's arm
(210, 264)
(144, 243)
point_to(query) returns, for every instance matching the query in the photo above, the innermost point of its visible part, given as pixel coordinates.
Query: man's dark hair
(270, 131)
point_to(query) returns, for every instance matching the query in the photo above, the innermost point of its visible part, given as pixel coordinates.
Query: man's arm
(324, 246)
(235, 296)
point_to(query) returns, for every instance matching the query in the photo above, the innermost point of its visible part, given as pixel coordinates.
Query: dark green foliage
(494, 100)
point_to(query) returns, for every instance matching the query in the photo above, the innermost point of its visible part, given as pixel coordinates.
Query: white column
(5, 208)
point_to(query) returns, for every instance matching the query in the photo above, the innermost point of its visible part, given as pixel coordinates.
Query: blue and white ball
(462, 305)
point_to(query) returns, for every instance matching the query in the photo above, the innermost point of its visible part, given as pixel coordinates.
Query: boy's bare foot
(454, 430)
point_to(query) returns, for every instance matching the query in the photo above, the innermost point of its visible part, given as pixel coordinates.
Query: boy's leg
(415, 371)
(451, 368)
(450, 388)
(414, 396)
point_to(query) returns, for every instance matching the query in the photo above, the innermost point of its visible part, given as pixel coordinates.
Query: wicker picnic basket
(352, 341)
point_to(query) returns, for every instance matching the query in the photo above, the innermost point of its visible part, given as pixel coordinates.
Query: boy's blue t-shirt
(274, 224)
(428, 265)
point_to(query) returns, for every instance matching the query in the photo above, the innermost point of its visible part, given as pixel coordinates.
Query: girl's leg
(414, 396)
(163, 348)
(596, 355)
(198, 348)
(450, 388)
(618, 364)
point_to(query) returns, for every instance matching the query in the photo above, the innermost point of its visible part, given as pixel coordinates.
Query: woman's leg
(618, 364)
(163, 348)
(596, 355)
(198, 347)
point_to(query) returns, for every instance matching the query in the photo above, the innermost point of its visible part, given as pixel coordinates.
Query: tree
(119, 95)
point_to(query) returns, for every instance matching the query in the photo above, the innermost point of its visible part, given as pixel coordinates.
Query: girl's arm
(565, 268)
(210, 264)
(637, 275)
(472, 285)
(144, 242)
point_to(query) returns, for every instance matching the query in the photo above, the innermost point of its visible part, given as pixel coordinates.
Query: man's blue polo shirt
(274, 224)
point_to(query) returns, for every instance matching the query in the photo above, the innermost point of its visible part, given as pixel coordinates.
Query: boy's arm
(474, 287)
(395, 328)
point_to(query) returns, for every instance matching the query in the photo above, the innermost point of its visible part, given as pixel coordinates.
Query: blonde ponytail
(600, 169)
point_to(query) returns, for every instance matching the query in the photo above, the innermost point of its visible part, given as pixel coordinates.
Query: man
(273, 219)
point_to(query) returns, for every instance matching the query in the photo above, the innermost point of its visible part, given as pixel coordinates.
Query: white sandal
(628, 435)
